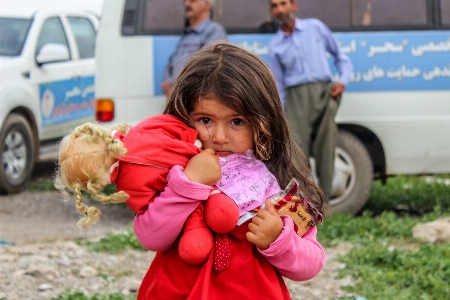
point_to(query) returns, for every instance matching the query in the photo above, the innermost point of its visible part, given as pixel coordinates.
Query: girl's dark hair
(243, 82)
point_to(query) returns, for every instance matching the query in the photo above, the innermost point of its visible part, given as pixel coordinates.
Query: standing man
(199, 31)
(298, 59)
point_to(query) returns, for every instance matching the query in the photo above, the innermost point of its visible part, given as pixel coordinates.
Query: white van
(46, 85)
(394, 117)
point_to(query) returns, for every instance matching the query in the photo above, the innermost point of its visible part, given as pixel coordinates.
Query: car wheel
(17, 154)
(353, 175)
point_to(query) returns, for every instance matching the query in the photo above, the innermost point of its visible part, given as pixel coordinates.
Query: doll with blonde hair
(85, 157)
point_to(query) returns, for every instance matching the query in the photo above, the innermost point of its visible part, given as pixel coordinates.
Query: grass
(414, 194)
(389, 273)
(386, 262)
(41, 184)
(78, 295)
(115, 242)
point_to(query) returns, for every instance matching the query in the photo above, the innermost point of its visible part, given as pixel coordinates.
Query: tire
(353, 175)
(17, 154)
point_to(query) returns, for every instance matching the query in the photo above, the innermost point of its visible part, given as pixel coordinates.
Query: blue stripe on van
(383, 61)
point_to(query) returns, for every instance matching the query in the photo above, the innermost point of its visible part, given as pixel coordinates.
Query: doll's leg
(196, 241)
(221, 213)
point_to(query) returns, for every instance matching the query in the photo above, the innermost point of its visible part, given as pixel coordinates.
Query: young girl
(229, 96)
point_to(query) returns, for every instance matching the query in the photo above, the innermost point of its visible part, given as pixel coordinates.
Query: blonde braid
(122, 127)
(118, 197)
(97, 133)
(85, 129)
(81, 207)
(92, 214)
(116, 147)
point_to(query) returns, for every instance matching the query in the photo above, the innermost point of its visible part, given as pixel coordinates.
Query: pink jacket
(297, 258)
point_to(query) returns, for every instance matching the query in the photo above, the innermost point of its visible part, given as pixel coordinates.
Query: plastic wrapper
(292, 202)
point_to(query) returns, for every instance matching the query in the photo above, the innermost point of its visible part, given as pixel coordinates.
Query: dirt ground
(44, 217)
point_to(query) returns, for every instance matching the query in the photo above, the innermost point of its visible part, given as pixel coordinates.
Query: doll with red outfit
(138, 160)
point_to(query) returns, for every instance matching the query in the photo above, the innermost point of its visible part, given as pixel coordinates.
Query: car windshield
(13, 32)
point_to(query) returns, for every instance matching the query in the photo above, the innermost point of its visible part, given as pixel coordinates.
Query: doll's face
(221, 128)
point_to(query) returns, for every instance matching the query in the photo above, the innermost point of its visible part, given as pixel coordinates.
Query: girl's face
(221, 128)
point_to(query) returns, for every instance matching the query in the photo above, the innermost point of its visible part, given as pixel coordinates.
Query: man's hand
(265, 228)
(165, 87)
(337, 89)
(204, 168)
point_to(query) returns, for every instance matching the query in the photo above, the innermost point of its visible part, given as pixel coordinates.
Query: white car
(47, 69)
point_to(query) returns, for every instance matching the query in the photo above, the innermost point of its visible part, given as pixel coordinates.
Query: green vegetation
(390, 273)
(78, 295)
(416, 194)
(385, 261)
(41, 184)
(115, 243)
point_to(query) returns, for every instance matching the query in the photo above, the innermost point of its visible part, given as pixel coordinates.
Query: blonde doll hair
(85, 158)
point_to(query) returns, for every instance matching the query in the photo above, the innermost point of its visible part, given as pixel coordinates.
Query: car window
(52, 32)
(84, 33)
(12, 35)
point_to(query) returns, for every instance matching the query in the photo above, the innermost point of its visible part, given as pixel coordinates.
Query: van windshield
(13, 32)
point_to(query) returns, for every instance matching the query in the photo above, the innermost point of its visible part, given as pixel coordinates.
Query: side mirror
(52, 53)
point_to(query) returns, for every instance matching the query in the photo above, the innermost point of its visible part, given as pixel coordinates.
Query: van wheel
(353, 175)
(17, 149)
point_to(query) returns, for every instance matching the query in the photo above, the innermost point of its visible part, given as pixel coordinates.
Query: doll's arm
(297, 258)
(159, 226)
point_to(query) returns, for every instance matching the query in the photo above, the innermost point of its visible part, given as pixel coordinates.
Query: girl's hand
(265, 227)
(204, 168)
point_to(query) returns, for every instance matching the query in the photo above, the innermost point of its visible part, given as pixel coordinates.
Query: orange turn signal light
(104, 110)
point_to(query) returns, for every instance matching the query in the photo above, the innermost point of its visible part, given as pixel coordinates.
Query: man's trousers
(310, 111)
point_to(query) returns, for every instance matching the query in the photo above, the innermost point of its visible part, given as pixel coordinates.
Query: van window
(165, 17)
(380, 13)
(392, 12)
(445, 11)
(336, 13)
(236, 16)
